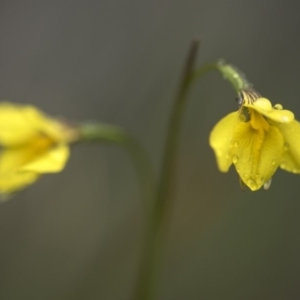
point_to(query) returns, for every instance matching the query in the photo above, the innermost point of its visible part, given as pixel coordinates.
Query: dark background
(76, 235)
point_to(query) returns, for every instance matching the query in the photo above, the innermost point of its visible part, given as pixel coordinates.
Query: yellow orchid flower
(257, 139)
(32, 144)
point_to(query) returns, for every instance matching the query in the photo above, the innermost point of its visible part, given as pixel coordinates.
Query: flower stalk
(156, 233)
(155, 236)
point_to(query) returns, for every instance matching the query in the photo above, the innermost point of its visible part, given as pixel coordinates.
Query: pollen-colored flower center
(43, 142)
(258, 122)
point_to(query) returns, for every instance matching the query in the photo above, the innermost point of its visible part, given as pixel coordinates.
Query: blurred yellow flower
(257, 139)
(32, 144)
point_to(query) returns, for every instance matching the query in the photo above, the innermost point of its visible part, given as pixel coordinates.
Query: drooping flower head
(32, 144)
(257, 139)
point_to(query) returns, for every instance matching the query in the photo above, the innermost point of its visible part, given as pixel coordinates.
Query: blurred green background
(76, 235)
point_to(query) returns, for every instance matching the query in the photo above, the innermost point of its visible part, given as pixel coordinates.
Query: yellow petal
(13, 159)
(264, 107)
(220, 140)
(11, 183)
(50, 162)
(291, 156)
(33, 144)
(22, 166)
(257, 153)
(18, 124)
(55, 130)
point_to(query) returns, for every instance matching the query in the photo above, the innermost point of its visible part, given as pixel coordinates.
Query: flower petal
(18, 124)
(52, 161)
(256, 154)
(11, 183)
(220, 140)
(13, 159)
(291, 156)
(264, 107)
(21, 167)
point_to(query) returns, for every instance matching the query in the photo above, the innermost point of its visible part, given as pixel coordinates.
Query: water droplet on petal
(273, 162)
(286, 146)
(283, 165)
(278, 106)
(246, 175)
(243, 118)
(235, 159)
(252, 184)
(236, 144)
(242, 184)
(295, 171)
(267, 184)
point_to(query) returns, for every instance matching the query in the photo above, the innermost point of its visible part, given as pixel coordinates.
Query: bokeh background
(76, 235)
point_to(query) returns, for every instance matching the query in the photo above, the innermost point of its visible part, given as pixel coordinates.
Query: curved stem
(156, 233)
(229, 72)
(157, 225)
(157, 212)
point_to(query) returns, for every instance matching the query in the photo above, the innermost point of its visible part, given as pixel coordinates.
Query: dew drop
(235, 159)
(283, 165)
(243, 118)
(246, 176)
(278, 106)
(252, 184)
(242, 184)
(286, 146)
(267, 184)
(295, 171)
(236, 144)
(273, 162)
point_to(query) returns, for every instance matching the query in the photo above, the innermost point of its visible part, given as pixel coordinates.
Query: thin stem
(156, 233)
(166, 186)
(229, 72)
(157, 212)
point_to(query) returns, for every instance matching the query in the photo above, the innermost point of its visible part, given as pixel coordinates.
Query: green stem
(156, 232)
(157, 224)
(229, 72)
(157, 212)
(97, 132)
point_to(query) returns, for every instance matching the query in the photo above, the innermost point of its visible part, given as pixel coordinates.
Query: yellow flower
(257, 139)
(32, 144)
